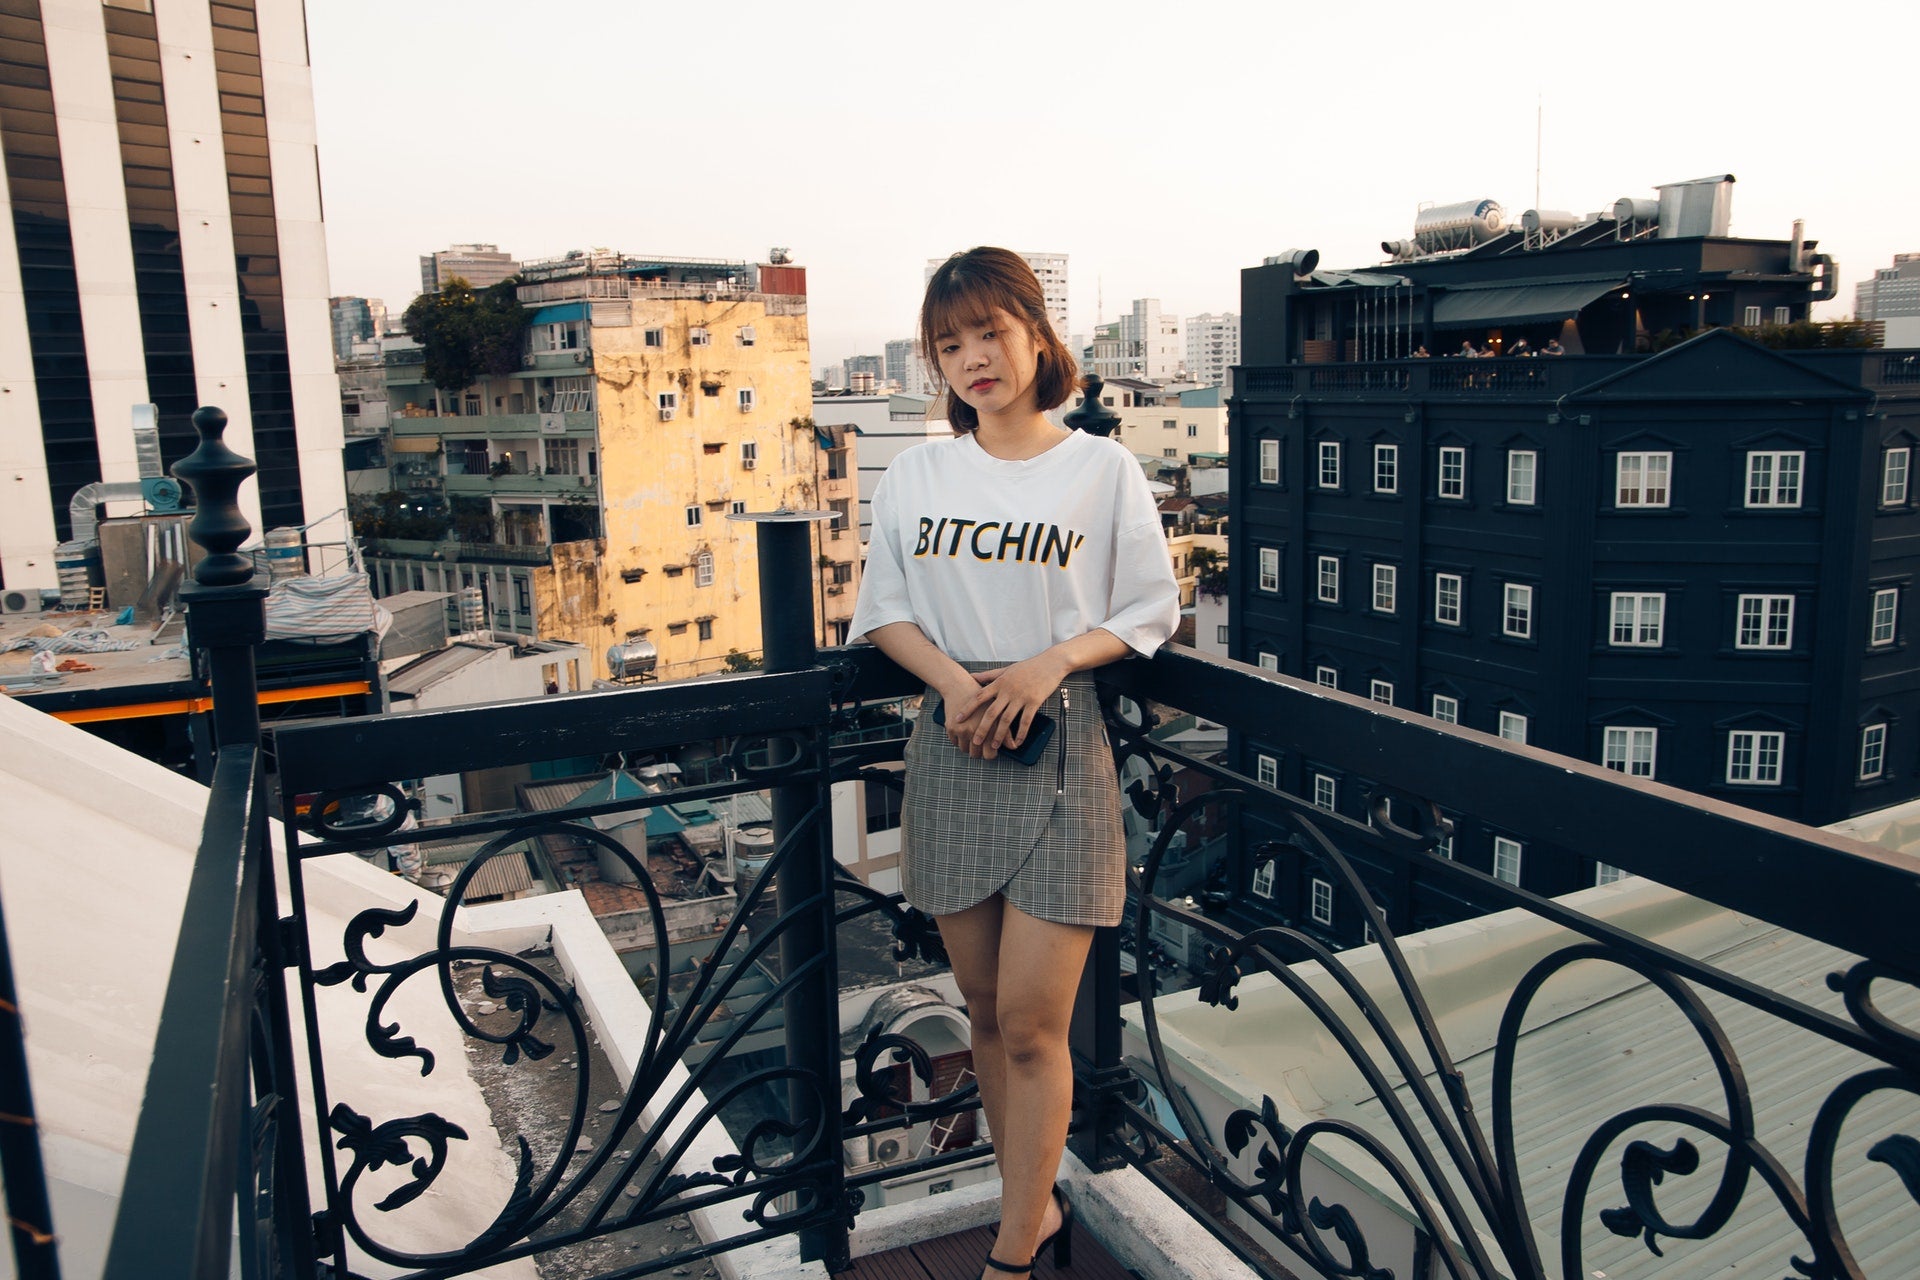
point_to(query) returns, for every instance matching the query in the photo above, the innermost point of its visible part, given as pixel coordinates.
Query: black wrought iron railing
(1654, 1182)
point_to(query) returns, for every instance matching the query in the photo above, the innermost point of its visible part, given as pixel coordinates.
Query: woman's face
(990, 365)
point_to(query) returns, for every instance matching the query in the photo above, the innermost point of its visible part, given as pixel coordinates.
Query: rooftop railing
(1657, 1181)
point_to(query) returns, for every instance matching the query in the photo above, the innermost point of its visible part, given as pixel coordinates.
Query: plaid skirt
(1047, 836)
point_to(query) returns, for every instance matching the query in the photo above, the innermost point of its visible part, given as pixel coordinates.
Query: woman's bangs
(960, 305)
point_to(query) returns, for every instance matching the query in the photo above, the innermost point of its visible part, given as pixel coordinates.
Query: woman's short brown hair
(964, 291)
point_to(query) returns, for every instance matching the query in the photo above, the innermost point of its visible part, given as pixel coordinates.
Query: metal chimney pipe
(1796, 252)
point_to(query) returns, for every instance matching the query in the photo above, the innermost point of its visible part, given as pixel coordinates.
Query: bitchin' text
(996, 541)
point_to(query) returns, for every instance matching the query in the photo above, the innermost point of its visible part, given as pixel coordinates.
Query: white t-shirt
(998, 560)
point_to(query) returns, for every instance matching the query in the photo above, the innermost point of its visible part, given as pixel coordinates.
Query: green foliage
(1209, 571)
(465, 336)
(738, 661)
(472, 519)
(1812, 335)
(394, 514)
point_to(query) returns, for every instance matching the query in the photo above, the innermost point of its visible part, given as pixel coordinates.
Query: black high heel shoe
(1062, 1237)
(1061, 1240)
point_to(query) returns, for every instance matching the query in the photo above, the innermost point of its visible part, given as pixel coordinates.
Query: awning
(559, 313)
(416, 444)
(1518, 304)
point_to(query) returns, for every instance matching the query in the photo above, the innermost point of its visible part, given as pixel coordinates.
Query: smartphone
(1039, 734)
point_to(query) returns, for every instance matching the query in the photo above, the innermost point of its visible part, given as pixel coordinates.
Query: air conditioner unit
(579, 357)
(888, 1148)
(709, 296)
(529, 360)
(749, 463)
(666, 415)
(20, 601)
(746, 406)
(585, 481)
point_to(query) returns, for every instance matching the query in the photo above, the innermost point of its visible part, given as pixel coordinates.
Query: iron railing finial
(216, 473)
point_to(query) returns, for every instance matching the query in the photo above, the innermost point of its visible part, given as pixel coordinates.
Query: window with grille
(703, 570)
(1886, 614)
(1629, 750)
(1766, 622)
(1446, 709)
(1753, 756)
(1269, 569)
(1329, 579)
(1327, 677)
(1506, 859)
(1329, 464)
(1386, 580)
(1267, 770)
(1380, 691)
(1263, 880)
(1269, 661)
(1604, 874)
(1773, 478)
(1520, 469)
(1446, 599)
(1893, 476)
(1638, 618)
(1386, 468)
(1269, 462)
(1640, 479)
(694, 516)
(1326, 792)
(1322, 902)
(1517, 617)
(1453, 472)
(1873, 751)
(1513, 726)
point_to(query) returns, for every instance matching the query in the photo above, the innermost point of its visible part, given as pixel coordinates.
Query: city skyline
(1187, 197)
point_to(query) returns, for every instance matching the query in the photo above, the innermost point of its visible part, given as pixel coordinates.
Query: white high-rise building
(1151, 342)
(480, 265)
(1892, 296)
(1052, 270)
(1213, 347)
(137, 273)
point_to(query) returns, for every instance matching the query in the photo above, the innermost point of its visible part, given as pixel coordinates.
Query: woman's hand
(1000, 712)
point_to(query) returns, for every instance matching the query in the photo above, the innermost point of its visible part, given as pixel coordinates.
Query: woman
(1006, 563)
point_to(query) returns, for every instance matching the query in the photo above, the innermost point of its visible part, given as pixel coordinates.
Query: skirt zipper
(1061, 788)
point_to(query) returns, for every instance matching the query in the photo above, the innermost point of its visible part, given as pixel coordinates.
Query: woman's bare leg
(972, 940)
(1038, 978)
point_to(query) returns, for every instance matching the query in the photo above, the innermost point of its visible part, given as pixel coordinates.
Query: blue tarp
(559, 313)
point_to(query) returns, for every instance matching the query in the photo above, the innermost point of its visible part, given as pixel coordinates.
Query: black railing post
(227, 622)
(1100, 1079)
(805, 878)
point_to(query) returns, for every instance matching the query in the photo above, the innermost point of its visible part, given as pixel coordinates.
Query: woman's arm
(1013, 693)
(908, 645)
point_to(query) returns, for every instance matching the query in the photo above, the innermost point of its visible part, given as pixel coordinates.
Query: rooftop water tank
(632, 659)
(1443, 227)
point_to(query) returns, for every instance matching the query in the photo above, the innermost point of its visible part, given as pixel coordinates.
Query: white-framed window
(1263, 880)
(703, 569)
(1326, 792)
(1444, 847)
(1268, 661)
(668, 402)
(738, 508)
(746, 399)
(1773, 477)
(1269, 462)
(694, 514)
(1640, 479)
(1327, 677)
(654, 338)
(1380, 691)
(1506, 859)
(1453, 472)
(1221, 633)
(1873, 751)
(1753, 756)
(1605, 874)
(1446, 709)
(1366, 934)
(1783, 315)
(1766, 622)
(749, 453)
(1270, 569)
(1513, 726)
(1751, 317)
(1322, 902)
(1446, 599)
(1328, 579)
(1386, 468)
(1894, 466)
(745, 336)
(1521, 464)
(1629, 749)
(699, 336)
(1266, 770)
(1193, 431)
(1516, 617)
(1639, 619)
(1886, 616)
(1169, 453)
(1386, 582)
(1329, 474)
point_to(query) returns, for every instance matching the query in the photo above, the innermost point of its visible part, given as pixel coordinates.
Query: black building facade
(1694, 565)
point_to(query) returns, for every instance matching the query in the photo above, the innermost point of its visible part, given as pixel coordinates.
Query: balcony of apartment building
(1707, 1064)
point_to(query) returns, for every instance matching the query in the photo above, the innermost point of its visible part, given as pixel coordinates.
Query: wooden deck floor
(961, 1255)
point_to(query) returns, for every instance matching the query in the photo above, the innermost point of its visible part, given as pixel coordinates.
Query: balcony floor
(961, 1255)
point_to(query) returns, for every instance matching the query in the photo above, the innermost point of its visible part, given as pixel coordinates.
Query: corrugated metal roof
(423, 673)
(1575, 1072)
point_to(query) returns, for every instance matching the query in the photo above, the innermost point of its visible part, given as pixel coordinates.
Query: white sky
(1163, 146)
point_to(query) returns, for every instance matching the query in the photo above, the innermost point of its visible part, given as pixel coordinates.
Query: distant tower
(1051, 268)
